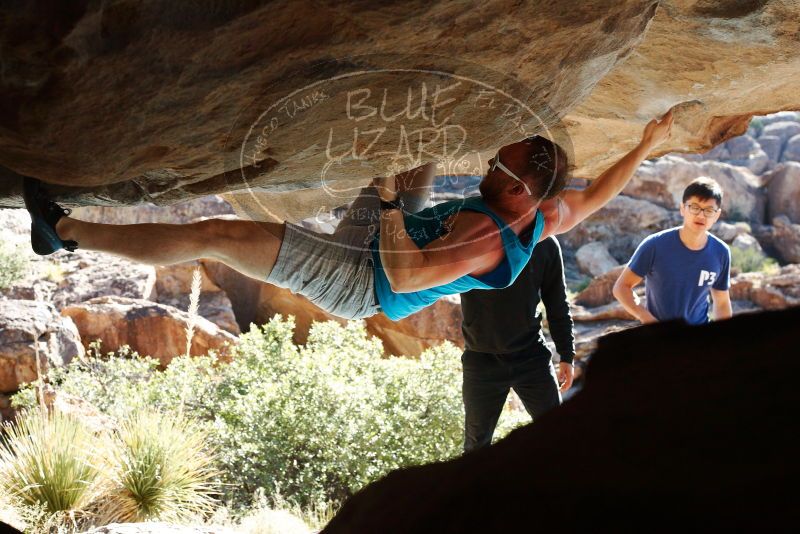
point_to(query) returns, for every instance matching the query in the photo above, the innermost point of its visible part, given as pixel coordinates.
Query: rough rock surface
(747, 242)
(155, 101)
(174, 286)
(428, 328)
(664, 180)
(606, 312)
(630, 461)
(29, 328)
(783, 192)
(84, 275)
(786, 239)
(791, 151)
(242, 291)
(637, 217)
(728, 232)
(68, 278)
(599, 290)
(148, 328)
(180, 213)
(594, 259)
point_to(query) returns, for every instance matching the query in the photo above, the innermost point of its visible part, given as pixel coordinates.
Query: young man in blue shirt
(682, 266)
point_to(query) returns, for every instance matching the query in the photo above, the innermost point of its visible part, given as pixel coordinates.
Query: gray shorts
(336, 271)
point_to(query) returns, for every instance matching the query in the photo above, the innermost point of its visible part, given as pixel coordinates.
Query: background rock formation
(153, 101)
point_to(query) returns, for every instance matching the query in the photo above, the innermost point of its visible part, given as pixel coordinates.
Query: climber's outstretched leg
(247, 246)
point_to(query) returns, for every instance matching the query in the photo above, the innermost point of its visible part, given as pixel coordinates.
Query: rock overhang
(155, 102)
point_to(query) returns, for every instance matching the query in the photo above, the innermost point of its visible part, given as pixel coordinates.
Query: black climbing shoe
(44, 215)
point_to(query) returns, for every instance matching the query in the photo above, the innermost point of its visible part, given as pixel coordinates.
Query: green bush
(312, 424)
(14, 264)
(749, 260)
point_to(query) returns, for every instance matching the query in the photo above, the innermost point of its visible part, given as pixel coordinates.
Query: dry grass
(48, 462)
(194, 303)
(158, 468)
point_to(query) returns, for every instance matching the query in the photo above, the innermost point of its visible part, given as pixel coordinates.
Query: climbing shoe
(44, 215)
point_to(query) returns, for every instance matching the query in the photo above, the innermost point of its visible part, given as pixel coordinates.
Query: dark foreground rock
(677, 427)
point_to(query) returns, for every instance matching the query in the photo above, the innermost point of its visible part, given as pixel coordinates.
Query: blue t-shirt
(678, 280)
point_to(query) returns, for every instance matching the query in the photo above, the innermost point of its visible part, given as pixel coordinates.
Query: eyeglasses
(695, 209)
(497, 165)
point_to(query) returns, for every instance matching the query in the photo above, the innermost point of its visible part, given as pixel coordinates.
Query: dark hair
(547, 167)
(704, 189)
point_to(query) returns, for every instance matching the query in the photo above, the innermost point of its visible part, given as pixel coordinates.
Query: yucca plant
(47, 462)
(160, 469)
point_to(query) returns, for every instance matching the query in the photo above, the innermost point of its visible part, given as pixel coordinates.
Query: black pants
(487, 380)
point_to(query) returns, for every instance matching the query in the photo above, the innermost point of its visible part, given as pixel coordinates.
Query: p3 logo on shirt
(707, 277)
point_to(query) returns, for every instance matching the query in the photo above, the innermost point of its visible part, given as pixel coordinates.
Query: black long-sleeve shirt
(505, 320)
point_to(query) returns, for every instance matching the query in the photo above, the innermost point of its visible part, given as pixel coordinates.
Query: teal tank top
(426, 226)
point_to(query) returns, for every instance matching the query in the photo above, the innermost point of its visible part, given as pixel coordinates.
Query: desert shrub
(14, 264)
(313, 423)
(750, 260)
(59, 475)
(48, 465)
(159, 468)
(319, 422)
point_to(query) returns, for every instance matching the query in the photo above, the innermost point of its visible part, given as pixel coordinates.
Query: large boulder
(781, 116)
(791, 151)
(656, 432)
(620, 225)
(594, 259)
(772, 145)
(174, 288)
(728, 232)
(600, 289)
(85, 275)
(180, 213)
(786, 239)
(662, 181)
(185, 126)
(768, 291)
(30, 329)
(422, 330)
(744, 151)
(149, 328)
(784, 130)
(748, 243)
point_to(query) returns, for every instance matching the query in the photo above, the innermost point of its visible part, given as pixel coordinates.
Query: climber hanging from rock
(387, 254)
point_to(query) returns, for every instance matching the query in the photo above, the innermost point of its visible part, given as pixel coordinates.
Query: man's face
(496, 182)
(700, 221)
